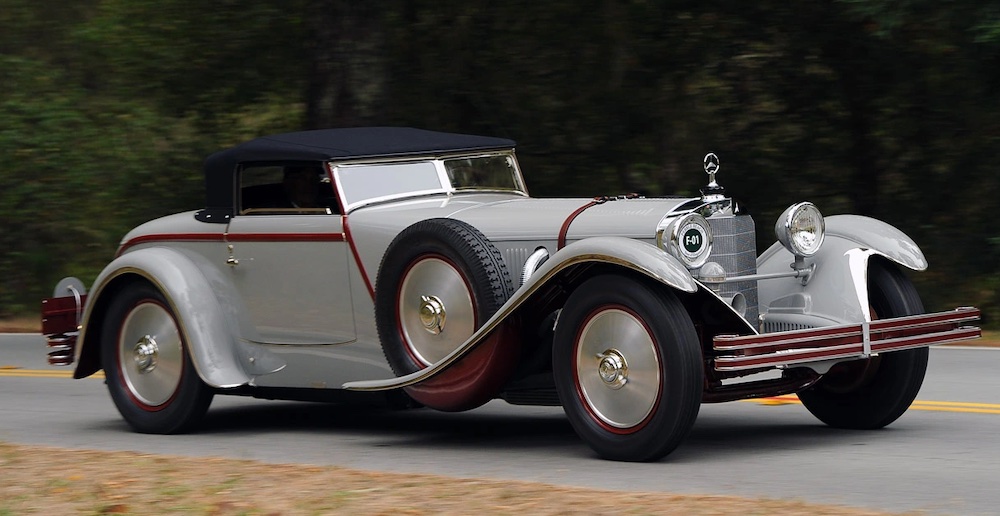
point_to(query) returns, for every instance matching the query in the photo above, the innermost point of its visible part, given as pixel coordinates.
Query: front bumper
(844, 342)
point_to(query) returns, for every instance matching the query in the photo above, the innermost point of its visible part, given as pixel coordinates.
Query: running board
(844, 342)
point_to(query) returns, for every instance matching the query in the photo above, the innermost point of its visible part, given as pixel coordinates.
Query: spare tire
(439, 281)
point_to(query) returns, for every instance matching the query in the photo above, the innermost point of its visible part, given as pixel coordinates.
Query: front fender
(880, 238)
(626, 253)
(837, 291)
(192, 291)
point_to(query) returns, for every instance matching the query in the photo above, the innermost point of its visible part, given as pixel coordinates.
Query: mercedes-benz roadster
(413, 267)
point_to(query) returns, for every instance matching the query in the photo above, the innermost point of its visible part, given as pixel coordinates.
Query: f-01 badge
(693, 240)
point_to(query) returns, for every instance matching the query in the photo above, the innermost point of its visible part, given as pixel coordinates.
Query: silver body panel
(297, 300)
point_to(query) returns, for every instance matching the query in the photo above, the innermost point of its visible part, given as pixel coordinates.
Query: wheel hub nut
(612, 368)
(432, 314)
(145, 354)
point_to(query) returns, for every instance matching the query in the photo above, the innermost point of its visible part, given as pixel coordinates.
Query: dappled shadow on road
(726, 434)
(503, 428)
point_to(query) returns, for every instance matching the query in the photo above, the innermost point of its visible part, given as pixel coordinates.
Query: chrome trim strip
(797, 273)
(866, 336)
(532, 264)
(857, 262)
(589, 250)
(79, 304)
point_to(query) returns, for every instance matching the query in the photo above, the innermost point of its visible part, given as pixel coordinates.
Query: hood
(538, 219)
(506, 217)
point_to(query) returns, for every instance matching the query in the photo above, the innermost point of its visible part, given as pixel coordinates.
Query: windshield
(380, 181)
(363, 183)
(496, 172)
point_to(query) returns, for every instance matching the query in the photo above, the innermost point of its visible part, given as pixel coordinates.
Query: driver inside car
(301, 185)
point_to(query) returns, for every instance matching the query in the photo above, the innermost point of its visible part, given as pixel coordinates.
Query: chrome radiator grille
(776, 326)
(734, 247)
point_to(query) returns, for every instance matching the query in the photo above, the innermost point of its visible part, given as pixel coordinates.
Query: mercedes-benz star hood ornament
(713, 191)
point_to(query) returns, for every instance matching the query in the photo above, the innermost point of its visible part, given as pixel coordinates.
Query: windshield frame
(341, 169)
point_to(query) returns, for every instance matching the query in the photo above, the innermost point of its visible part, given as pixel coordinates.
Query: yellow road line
(934, 406)
(43, 373)
(959, 404)
(915, 406)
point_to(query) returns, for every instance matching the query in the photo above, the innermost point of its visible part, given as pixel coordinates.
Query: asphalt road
(942, 456)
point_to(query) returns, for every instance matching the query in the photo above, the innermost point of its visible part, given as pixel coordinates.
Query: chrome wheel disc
(435, 309)
(150, 354)
(617, 368)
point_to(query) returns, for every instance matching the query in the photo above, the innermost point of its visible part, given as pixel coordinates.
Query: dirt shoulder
(21, 325)
(57, 481)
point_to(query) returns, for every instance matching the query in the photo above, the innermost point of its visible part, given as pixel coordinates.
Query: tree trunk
(347, 74)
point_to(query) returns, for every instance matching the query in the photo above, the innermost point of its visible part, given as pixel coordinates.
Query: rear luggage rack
(61, 325)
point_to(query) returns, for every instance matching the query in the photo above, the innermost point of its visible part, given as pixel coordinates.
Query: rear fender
(204, 302)
(623, 253)
(837, 291)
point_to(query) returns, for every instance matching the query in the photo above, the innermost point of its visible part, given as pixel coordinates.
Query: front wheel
(149, 373)
(627, 367)
(871, 393)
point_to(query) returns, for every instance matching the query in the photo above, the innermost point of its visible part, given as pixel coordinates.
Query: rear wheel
(439, 281)
(627, 367)
(149, 373)
(871, 393)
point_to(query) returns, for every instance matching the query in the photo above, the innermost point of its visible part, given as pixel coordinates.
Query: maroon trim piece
(59, 314)
(163, 237)
(357, 258)
(475, 378)
(847, 341)
(231, 237)
(818, 337)
(569, 220)
(601, 199)
(284, 237)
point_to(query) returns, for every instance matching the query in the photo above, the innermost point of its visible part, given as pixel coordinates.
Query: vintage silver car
(412, 267)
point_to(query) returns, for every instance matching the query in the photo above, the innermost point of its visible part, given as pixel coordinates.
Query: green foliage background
(887, 108)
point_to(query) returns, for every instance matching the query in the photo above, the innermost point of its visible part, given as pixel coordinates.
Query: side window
(285, 189)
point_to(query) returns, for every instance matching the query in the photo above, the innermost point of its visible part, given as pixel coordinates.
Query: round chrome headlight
(688, 238)
(801, 229)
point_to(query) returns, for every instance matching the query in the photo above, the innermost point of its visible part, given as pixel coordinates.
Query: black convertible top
(325, 145)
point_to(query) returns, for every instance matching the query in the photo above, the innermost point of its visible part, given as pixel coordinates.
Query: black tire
(439, 281)
(646, 416)
(163, 395)
(869, 394)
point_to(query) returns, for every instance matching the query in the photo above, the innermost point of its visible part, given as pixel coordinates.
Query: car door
(290, 262)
